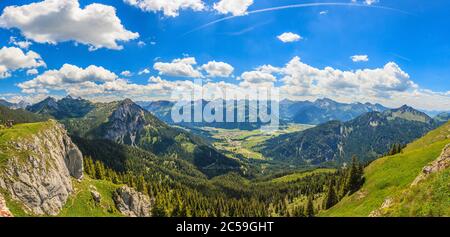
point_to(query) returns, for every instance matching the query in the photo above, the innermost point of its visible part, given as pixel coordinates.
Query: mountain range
(324, 110)
(125, 122)
(118, 159)
(20, 105)
(303, 112)
(368, 137)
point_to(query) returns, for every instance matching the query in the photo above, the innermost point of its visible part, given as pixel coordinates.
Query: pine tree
(354, 178)
(142, 185)
(309, 210)
(331, 199)
(99, 170)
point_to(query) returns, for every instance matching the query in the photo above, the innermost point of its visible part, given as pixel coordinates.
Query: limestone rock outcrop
(441, 163)
(132, 203)
(39, 167)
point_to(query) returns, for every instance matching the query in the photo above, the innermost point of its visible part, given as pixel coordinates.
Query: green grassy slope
(390, 177)
(299, 175)
(430, 197)
(19, 131)
(81, 203)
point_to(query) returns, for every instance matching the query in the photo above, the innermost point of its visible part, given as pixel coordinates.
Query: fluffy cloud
(218, 69)
(234, 7)
(289, 37)
(12, 58)
(33, 71)
(360, 58)
(257, 77)
(53, 21)
(126, 73)
(179, 68)
(388, 85)
(302, 79)
(20, 44)
(68, 77)
(169, 7)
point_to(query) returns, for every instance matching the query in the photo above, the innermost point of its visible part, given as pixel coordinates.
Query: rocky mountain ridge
(367, 136)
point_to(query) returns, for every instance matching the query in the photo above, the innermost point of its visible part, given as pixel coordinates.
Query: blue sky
(412, 34)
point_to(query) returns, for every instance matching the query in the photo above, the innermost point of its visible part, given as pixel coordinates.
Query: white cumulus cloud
(12, 58)
(302, 79)
(234, 7)
(20, 44)
(126, 73)
(218, 69)
(68, 77)
(33, 71)
(54, 21)
(168, 7)
(179, 68)
(255, 79)
(289, 37)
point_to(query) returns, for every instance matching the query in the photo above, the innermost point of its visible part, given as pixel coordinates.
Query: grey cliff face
(40, 178)
(126, 123)
(132, 203)
(74, 160)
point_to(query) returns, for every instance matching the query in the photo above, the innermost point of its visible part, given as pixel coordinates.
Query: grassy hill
(19, 131)
(299, 175)
(81, 204)
(390, 178)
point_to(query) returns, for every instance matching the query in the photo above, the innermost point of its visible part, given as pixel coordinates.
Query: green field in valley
(243, 144)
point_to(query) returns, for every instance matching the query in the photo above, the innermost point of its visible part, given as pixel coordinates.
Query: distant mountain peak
(50, 98)
(408, 113)
(127, 101)
(67, 107)
(325, 100)
(406, 108)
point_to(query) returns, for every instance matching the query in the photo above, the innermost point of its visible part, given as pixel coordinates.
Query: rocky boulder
(95, 194)
(132, 203)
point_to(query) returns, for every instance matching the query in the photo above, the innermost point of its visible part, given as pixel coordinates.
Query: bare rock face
(441, 163)
(132, 203)
(39, 173)
(125, 123)
(74, 160)
(4, 211)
